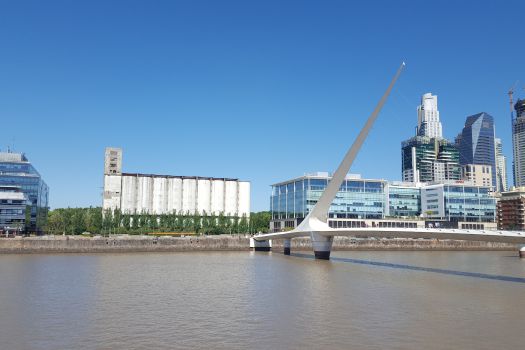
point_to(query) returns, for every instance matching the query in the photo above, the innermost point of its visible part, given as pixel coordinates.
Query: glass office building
(356, 199)
(365, 202)
(404, 200)
(458, 202)
(476, 142)
(13, 205)
(16, 170)
(425, 159)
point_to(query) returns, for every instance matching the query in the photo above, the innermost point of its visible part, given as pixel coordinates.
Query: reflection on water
(419, 268)
(239, 300)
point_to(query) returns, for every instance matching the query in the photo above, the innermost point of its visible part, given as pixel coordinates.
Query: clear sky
(258, 90)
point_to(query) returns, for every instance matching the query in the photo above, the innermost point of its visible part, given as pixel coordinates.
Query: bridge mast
(320, 210)
(317, 219)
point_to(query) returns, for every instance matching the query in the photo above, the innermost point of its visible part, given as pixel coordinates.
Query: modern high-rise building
(17, 172)
(427, 159)
(476, 143)
(428, 123)
(163, 194)
(501, 167)
(518, 144)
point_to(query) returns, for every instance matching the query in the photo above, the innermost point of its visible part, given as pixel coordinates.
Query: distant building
(501, 167)
(518, 144)
(358, 198)
(404, 199)
(428, 123)
(427, 159)
(17, 171)
(458, 203)
(476, 143)
(163, 194)
(511, 210)
(113, 161)
(13, 206)
(478, 174)
(359, 203)
(377, 203)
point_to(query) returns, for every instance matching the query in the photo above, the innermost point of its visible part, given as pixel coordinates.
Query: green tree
(77, 221)
(260, 222)
(243, 224)
(126, 223)
(196, 222)
(135, 221)
(55, 222)
(234, 224)
(107, 222)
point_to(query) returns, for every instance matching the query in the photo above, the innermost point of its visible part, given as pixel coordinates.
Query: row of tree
(74, 221)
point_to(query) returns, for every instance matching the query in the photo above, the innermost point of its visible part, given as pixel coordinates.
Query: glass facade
(468, 203)
(458, 202)
(13, 205)
(377, 199)
(425, 159)
(15, 170)
(476, 143)
(404, 201)
(356, 199)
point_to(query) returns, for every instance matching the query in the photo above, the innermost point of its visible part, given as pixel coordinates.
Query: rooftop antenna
(511, 100)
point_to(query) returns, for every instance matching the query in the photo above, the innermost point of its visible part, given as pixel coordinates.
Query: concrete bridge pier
(287, 245)
(522, 252)
(322, 245)
(261, 246)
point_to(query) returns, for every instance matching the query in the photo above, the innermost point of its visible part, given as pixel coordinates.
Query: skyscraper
(476, 143)
(428, 123)
(426, 159)
(518, 143)
(501, 167)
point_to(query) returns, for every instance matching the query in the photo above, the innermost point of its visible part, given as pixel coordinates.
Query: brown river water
(247, 300)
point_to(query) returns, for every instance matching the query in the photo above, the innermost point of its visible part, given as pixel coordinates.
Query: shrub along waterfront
(75, 221)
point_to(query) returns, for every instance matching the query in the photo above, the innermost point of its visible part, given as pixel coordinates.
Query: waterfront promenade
(142, 243)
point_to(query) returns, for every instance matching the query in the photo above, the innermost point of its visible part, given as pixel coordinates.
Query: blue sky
(259, 90)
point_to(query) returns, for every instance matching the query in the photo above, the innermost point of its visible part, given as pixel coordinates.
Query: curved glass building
(17, 172)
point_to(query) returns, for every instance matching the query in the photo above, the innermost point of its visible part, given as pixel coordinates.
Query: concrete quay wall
(124, 243)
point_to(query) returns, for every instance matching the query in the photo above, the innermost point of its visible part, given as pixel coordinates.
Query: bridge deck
(458, 234)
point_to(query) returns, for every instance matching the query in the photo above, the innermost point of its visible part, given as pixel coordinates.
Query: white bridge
(315, 225)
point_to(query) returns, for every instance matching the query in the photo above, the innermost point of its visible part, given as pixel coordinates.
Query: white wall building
(163, 194)
(461, 202)
(428, 123)
(478, 174)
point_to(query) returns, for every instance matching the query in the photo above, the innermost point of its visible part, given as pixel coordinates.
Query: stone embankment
(125, 243)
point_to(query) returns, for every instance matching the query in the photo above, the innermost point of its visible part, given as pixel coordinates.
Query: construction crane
(511, 100)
